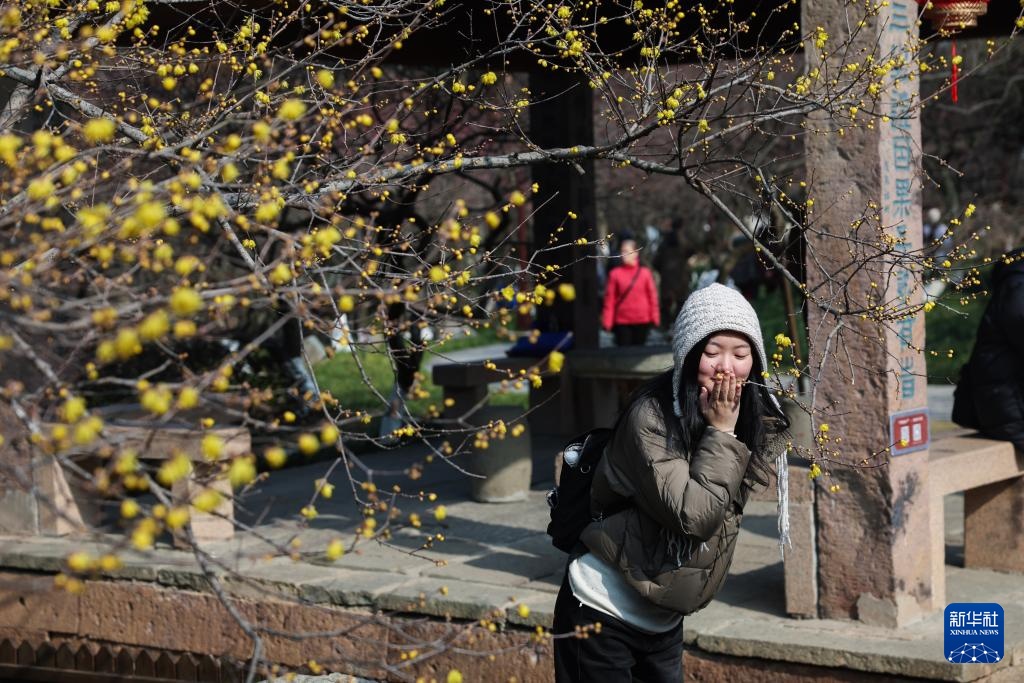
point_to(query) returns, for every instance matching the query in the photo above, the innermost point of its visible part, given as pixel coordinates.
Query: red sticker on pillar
(908, 431)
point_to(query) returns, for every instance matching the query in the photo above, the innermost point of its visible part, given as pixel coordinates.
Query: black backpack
(569, 500)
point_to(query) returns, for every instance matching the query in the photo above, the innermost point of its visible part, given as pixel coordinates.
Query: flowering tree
(190, 190)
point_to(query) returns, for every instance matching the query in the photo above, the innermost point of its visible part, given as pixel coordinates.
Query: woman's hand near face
(720, 405)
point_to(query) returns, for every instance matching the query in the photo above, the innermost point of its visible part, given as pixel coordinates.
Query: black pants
(618, 654)
(631, 335)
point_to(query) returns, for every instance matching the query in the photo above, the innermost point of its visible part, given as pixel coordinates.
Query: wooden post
(562, 116)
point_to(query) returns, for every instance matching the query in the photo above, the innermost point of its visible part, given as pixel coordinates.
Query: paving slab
(358, 589)
(447, 599)
(497, 557)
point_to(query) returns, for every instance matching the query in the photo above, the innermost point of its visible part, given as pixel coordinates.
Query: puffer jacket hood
(676, 541)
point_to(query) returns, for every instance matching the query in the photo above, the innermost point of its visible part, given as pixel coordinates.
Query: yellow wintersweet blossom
(99, 130)
(156, 400)
(40, 189)
(73, 409)
(184, 329)
(212, 447)
(175, 469)
(155, 326)
(523, 611)
(185, 301)
(292, 109)
(127, 343)
(555, 361)
(129, 508)
(455, 676)
(79, 561)
(206, 500)
(241, 472)
(267, 212)
(188, 398)
(110, 563)
(9, 145)
(229, 173)
(325, 78)
(493, 220)
(142, 537)
(329, 434)
(346, 304)
(308, 444)
(186, 264)
(275, 456)
(335, 549)
(567, 291)
(176, 518)
(281, 275)
(440, 513)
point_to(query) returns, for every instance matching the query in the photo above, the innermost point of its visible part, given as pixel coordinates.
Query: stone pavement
(497, 557)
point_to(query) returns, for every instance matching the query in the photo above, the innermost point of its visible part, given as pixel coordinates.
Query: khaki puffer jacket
(675, 541)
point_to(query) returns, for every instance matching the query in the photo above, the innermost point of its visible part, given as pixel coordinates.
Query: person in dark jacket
(678, 470)
(990, 395)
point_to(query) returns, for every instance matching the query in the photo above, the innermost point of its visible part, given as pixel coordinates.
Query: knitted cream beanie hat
(715, 308)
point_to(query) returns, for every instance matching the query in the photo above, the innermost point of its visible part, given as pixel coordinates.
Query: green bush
(341, 376)
(950, 326)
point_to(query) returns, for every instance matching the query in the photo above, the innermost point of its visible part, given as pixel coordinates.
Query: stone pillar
(874, 539)
(563, 116)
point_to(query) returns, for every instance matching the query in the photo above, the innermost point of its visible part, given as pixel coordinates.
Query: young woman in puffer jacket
(679, 467)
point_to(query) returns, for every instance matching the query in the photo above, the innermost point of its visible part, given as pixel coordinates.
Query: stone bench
(466, 387)
(591, 390)
(76, 509)
(599, 381)
(989, 473)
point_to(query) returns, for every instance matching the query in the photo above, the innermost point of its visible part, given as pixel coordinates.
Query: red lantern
(951, 16)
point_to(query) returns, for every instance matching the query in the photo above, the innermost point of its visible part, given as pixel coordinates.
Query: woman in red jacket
(631, 300)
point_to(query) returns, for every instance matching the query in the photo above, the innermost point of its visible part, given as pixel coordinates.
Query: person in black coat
(990, 396)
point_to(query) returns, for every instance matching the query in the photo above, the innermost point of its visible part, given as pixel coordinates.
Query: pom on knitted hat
(715, 308)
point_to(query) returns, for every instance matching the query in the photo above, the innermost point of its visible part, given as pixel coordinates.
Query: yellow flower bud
(292, 109)
(308, 444)
(185, 301)
(212, 447)
(129, 508)
(275, 456)
(335, 549)
(207, 500)
(99, 130)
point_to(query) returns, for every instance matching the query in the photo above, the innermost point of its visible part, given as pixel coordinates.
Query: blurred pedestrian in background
(630, 300)
(673, 265)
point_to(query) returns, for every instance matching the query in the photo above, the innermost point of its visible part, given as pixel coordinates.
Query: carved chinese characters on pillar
(899, 152)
